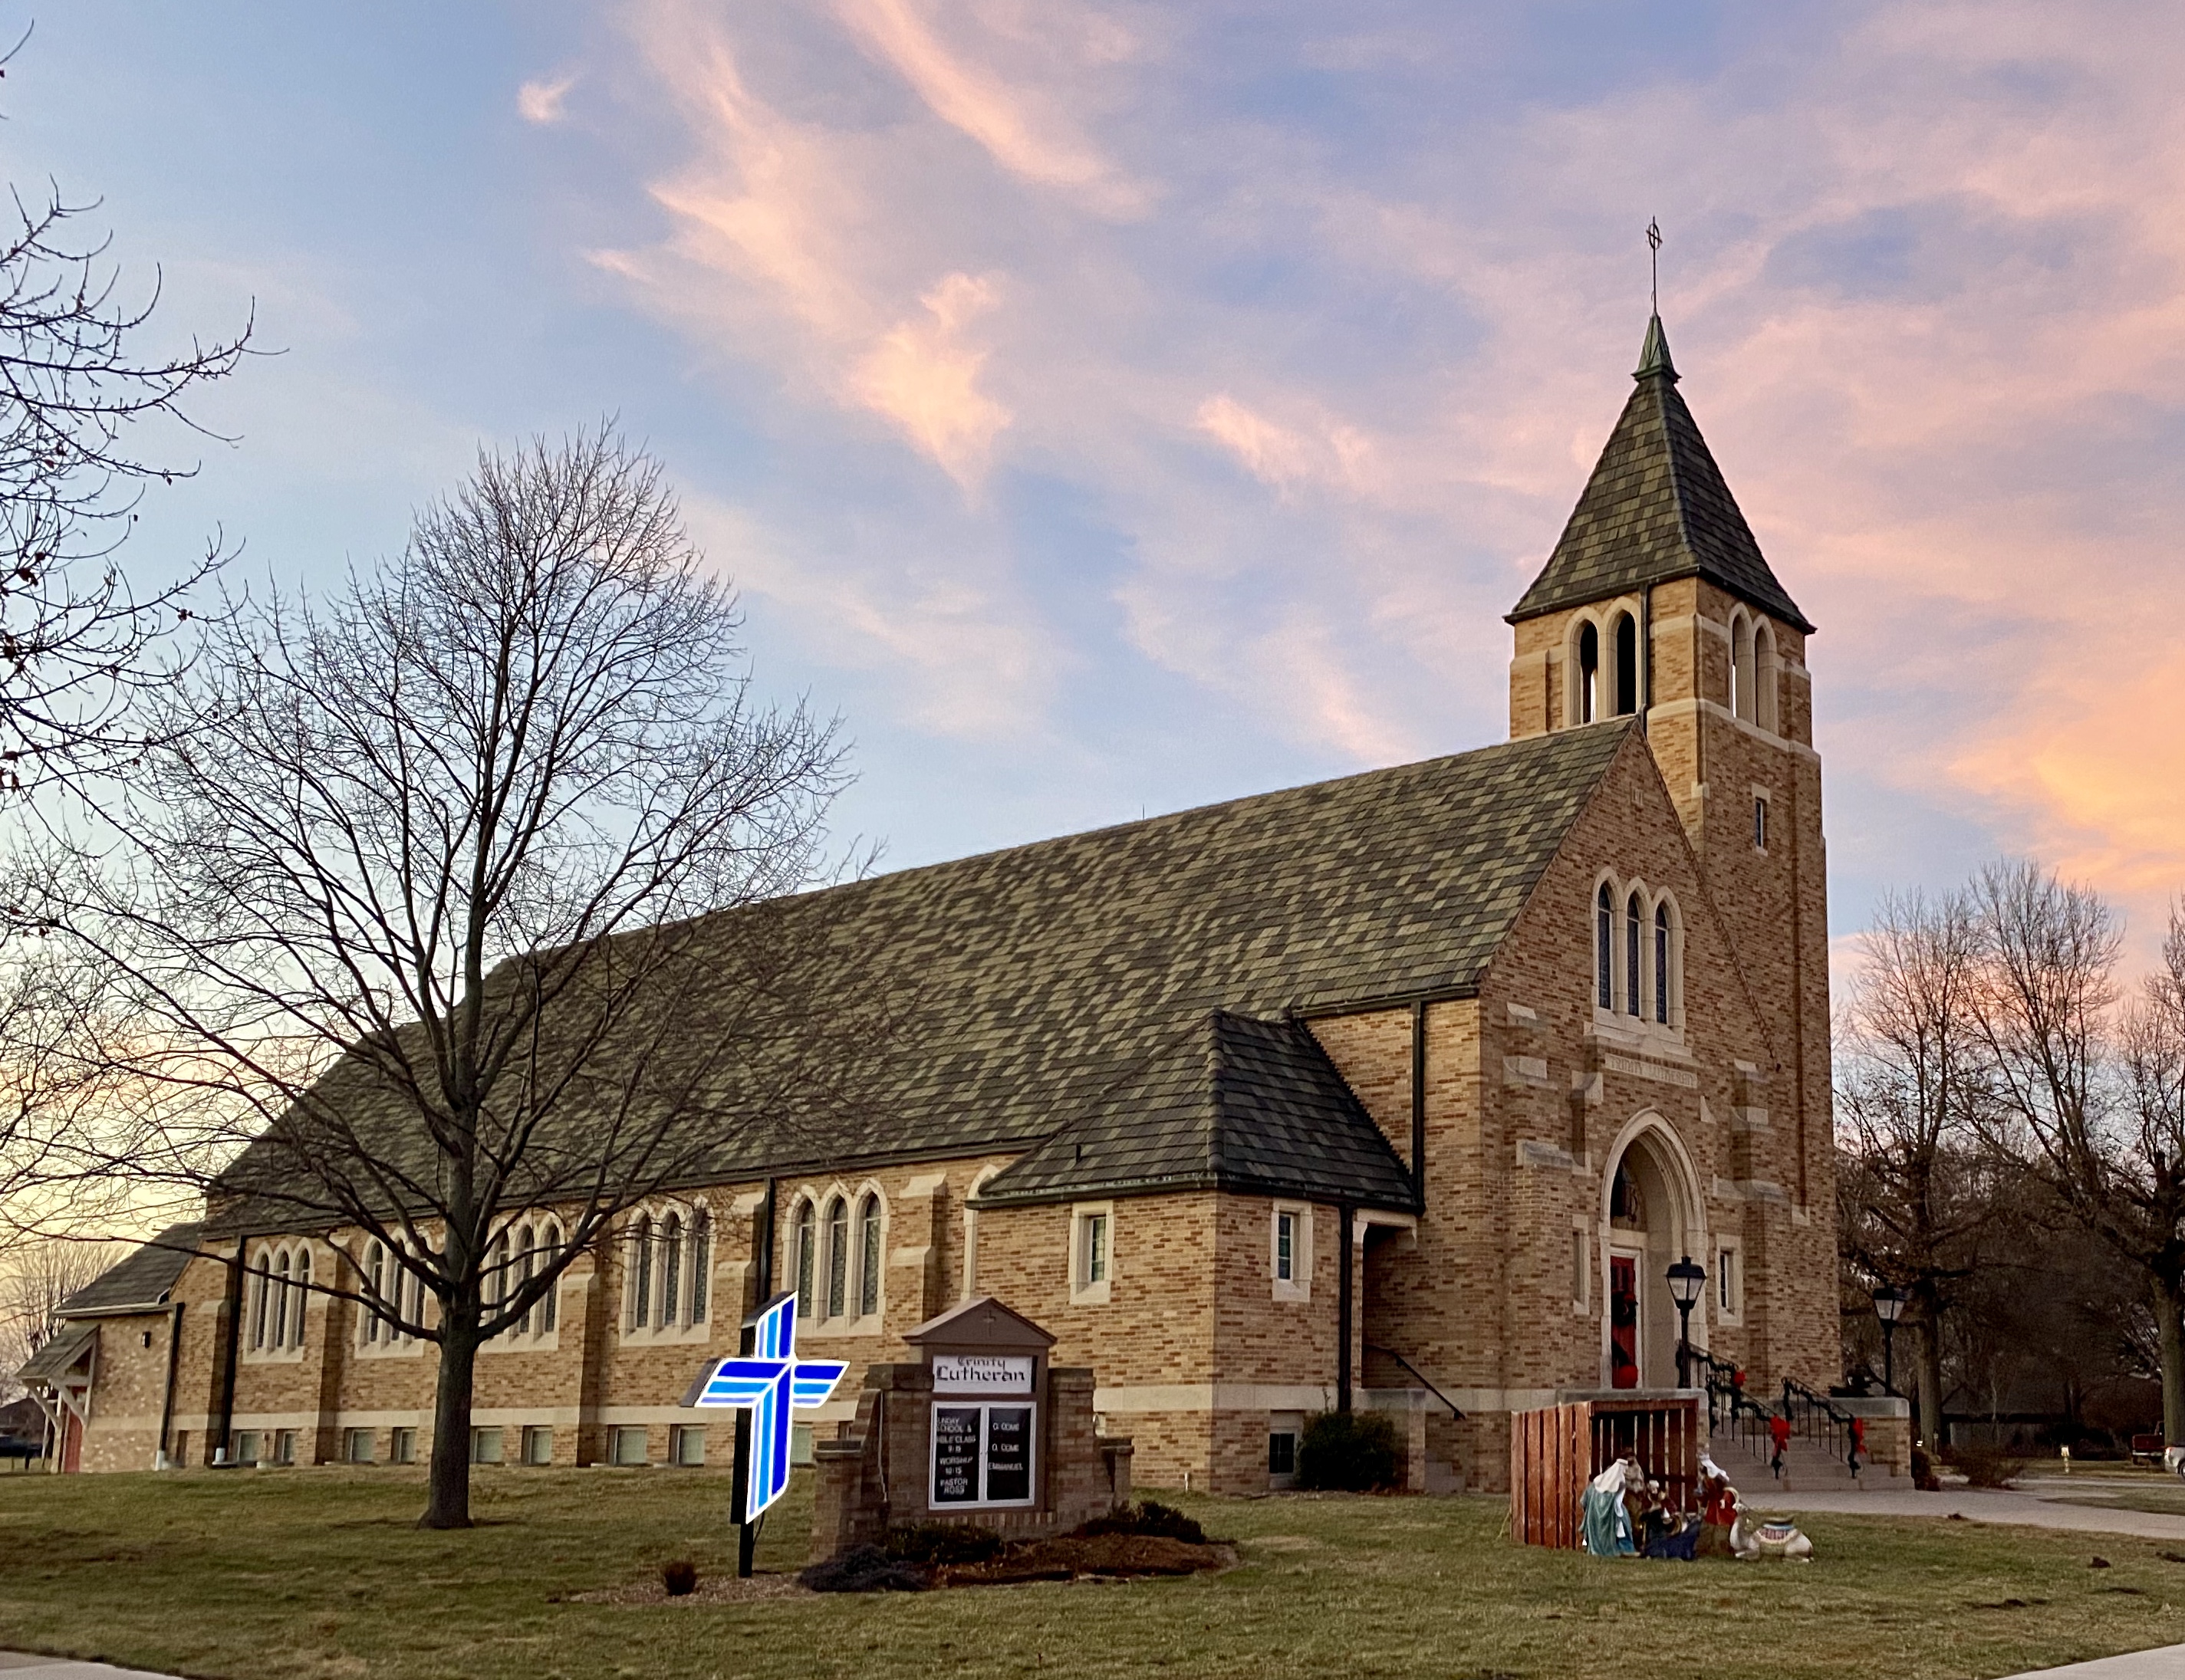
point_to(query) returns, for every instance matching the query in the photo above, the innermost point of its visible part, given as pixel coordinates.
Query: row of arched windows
(281, 1286)
(516, 1257)
(387, 1279)
(837, 1257)
(667, 1271)
(1638, 954)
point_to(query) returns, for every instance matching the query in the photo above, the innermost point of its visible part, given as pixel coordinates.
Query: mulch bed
(1068, 1557)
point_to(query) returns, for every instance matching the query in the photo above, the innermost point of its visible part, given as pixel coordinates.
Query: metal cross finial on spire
(1654, 260)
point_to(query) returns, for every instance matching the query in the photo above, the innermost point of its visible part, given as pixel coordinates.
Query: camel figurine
(1776, 1540)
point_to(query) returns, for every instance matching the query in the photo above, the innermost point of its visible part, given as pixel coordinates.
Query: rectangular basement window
(537, 1445)
(686, 1444)
(628, 1446)
(401, 1446)
(356, 1446)
(284, 1446)
(485, 1446)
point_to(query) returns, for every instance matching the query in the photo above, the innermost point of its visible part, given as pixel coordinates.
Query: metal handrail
(1801, 1404)
(1390, 1353)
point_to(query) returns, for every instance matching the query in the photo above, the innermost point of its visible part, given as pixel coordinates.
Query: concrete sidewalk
(2028, 1510)
(2166, 1663)
(19, 1666)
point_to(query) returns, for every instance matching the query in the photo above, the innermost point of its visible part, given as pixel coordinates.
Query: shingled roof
(1118, 1004)
(1656, 508)
(142, 1280)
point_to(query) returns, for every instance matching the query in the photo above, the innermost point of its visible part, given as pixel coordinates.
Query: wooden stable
(1556, 1450)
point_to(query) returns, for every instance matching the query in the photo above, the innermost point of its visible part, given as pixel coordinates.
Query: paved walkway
(18, 1667)
(2166, 1663)
(2032, 1510)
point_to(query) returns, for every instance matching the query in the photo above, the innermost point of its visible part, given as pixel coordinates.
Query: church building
(1400, 1091)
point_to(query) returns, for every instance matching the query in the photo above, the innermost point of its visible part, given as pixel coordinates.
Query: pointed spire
(1654, 353)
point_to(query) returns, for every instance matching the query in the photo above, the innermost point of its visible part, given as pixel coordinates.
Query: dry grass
(318, 1573)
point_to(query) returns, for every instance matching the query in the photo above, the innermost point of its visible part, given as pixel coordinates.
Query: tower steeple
(1656, 509)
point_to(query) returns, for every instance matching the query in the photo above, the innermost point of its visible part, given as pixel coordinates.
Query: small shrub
(1989, 1466)
(1355, 1452)
(1149, 1517)
(932, 1542)
(864, 1569)
(680, 1578)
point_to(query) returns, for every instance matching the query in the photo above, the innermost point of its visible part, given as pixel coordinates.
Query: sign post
(764, 1382)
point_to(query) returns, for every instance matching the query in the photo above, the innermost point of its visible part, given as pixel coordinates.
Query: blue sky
(1115, 407)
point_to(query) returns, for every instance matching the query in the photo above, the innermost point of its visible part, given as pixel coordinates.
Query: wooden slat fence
(1556, 1450)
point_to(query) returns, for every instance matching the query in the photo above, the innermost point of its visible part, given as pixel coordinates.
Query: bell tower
(1658, 605)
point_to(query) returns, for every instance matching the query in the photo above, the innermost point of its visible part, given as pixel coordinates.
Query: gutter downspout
(763, 1241)
(1343, 1217)
(1419, 1103)
(232, 1351)
(159, 1459)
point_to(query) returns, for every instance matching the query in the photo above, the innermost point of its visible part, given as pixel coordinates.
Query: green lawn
(267, 1575)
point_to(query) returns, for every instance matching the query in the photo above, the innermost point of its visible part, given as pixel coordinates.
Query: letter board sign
(983, 1454)
(982, 1373)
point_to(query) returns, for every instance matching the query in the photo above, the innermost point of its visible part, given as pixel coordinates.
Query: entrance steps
(1808, 1466)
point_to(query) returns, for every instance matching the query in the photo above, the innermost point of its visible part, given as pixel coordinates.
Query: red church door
(71, 1442)
(1622, 1322)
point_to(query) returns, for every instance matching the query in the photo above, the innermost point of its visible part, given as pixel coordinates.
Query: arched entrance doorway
(1651, 1216)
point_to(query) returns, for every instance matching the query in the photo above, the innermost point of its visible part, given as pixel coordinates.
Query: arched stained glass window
(671, 1268)
(1631, 925)
(303, 1296)
(550, 1248)
(805, 1216)
(868, 1255)
(1661, 963)
(1604, 948)
(280, 1301)
(527, 1261)
(702, 1264)
(375, 1277)
(838, 1257)
(261, 1285)
(641, 1289)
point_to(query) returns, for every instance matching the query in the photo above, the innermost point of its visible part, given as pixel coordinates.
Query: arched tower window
(1661, 963)
(1588, 673)
(868, 1255)
(1763, 679)
(838, 1257)
(1627, 666)
(1740, 666)
(804, 1247)
(1631, 925)
(1604, 949)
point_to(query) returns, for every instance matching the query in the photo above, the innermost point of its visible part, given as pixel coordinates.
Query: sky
(1109, 408)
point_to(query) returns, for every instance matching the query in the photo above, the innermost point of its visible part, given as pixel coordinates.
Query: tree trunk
(1926, 1351)
(448, 1479)
(2166, 1325)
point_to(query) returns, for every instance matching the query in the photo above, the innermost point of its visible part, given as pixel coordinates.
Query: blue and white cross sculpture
(770, 1379)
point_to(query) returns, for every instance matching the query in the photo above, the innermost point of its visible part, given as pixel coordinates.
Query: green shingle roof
(1655, 508)
(1126, 990)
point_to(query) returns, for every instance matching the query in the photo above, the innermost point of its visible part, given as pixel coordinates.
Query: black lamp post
(1685, 1282)
(1889, 1307)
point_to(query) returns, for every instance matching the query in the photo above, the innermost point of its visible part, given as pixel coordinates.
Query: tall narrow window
(1627, 666)
(838, 1257)
(526, 1262)
(1096, 1248)
(303, 1296)
(1588, 673)
(1661, 963)
(496, 1274)
(375, 1274)
(1759, 822)
(1740, 666)
(804, 1247)
(1604, 945)
(1764, 679)
(640, 1304)
(1286, 1248)
(671, 1272)
(702, 1264)
(1631, 925)
(261, 1286)
(281, 1302)
(549, 1244)
(868, 1255)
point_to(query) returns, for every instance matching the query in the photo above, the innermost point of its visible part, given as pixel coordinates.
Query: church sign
(983, 1455)
(982, 1373)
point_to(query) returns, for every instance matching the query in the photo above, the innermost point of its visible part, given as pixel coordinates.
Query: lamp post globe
(1889, 1307)
(1686, 1280)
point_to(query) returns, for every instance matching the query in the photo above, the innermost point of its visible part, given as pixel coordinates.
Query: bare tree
(1915, 1197)
(74, 388)
(2093, 1101)
(35, 1278)
(425, 900)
